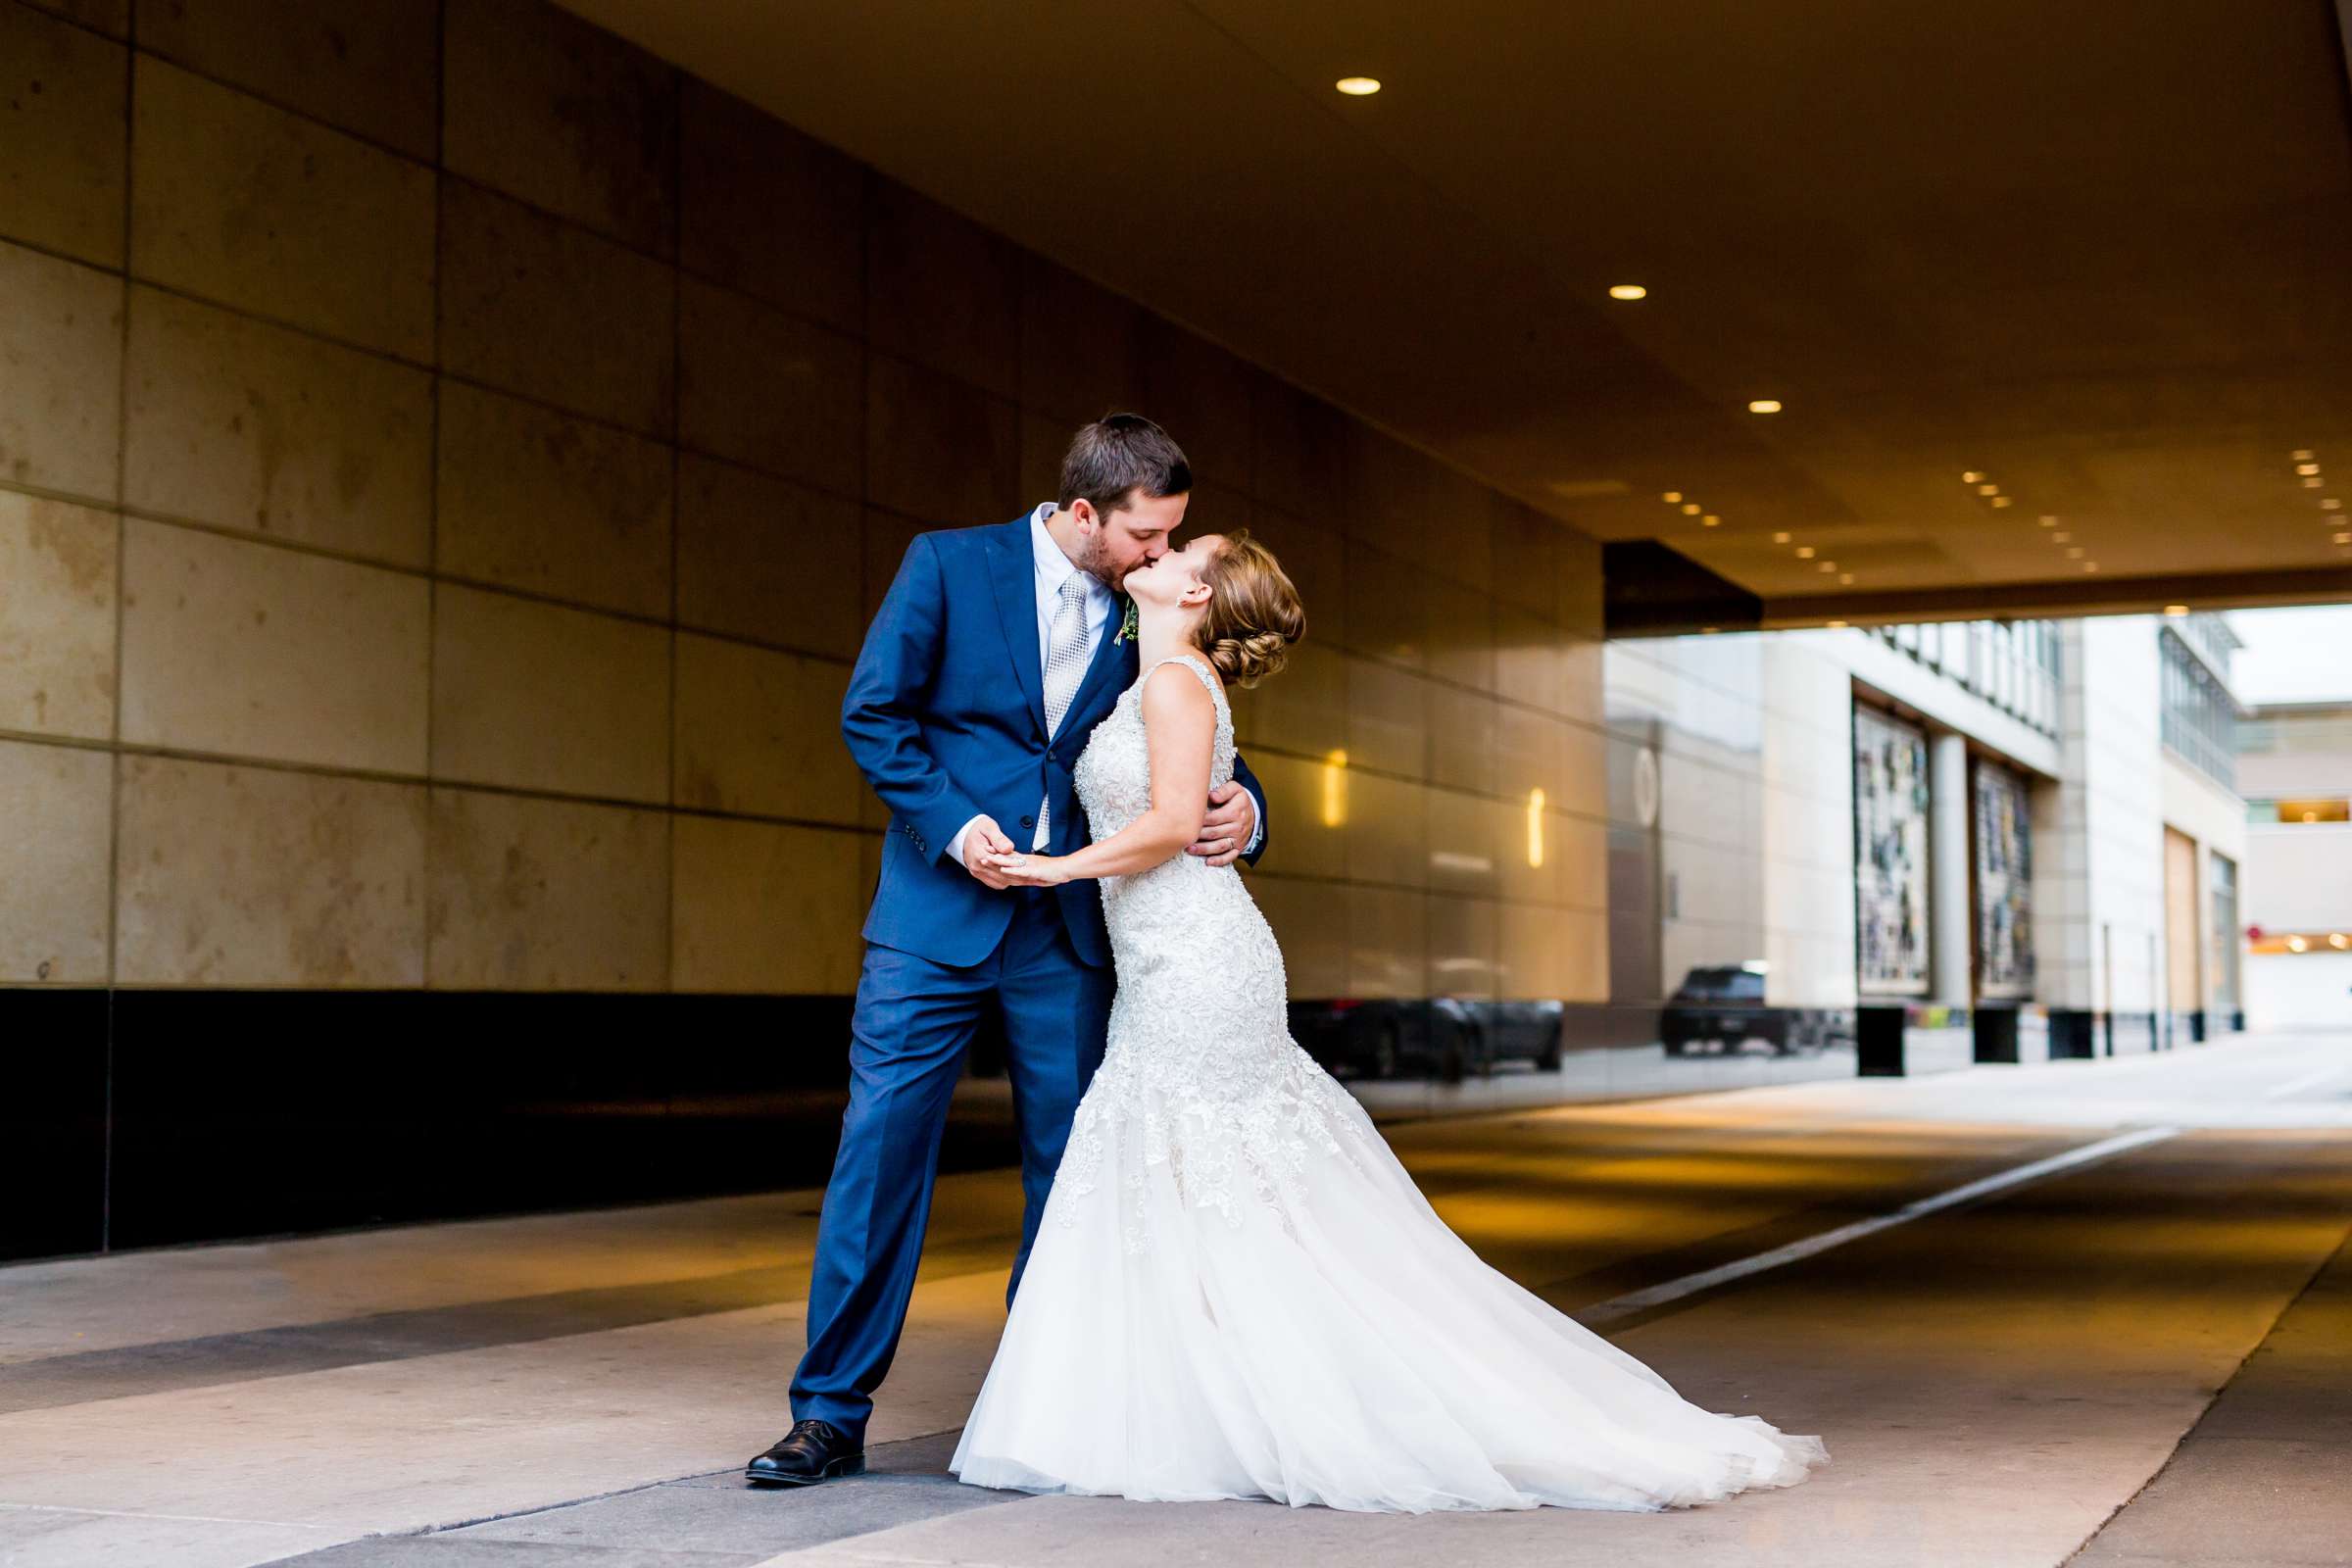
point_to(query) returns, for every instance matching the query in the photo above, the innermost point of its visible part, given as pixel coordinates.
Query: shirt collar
(1053, 565)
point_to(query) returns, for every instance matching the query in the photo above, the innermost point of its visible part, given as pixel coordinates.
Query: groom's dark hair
(1117, 456)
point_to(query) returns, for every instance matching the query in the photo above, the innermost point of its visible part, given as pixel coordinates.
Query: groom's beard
(1097, 563)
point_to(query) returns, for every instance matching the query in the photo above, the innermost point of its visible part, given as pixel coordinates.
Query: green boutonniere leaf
(1126, 622)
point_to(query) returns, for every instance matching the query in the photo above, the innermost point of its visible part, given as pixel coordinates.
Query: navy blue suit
(946, 716)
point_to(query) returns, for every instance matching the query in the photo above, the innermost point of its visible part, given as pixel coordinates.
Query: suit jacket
(946, 716)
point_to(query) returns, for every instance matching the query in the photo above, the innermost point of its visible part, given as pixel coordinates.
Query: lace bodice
(1114, 779)
(1199, 1055)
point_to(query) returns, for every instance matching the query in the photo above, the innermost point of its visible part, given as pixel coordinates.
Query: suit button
(1028, 822)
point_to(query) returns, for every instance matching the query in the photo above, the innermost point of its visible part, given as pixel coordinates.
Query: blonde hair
(1253, 611)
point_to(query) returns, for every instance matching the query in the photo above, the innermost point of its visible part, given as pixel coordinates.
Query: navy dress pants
(913, 1021)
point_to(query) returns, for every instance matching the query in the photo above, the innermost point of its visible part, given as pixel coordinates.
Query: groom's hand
(1232, 813)
(981, 847)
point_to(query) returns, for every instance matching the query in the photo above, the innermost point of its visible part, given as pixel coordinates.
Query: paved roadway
(2026, 1373)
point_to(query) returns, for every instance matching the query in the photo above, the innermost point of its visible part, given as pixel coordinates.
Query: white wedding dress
(1237, 1291)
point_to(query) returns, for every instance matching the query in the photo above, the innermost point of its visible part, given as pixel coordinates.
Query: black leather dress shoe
(811, 1451)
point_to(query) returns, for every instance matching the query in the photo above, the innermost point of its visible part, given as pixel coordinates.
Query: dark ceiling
(2099, 253)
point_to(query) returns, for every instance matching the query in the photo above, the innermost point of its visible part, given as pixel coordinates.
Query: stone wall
(446, 460)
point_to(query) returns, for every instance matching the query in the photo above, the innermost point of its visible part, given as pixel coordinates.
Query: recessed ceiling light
(1671, 496)
(2002, 501)
(1692, 508)
(2302, 453)
(2307, 467)
(1764, 406)
(1845, 576)
(2090, 566)
(2343, 538)
(2074, 553)
(1359, 86)
(1837, 622)
(1780, 538)
(2061, 536)
(1829, 566)
(2047, 521)
(1711, 520)
(1988, 489)
(1804, 552)
(1710, 630)
(1628, 291)
(2331, 504)
(2175, 610)
(1972, 476)
(2313, 482)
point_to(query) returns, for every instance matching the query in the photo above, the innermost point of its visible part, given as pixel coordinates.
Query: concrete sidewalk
(1993, 1380)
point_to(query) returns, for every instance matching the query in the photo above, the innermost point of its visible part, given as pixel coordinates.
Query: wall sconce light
(1335, 790)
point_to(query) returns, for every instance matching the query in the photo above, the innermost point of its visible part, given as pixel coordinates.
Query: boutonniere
(1126, 620)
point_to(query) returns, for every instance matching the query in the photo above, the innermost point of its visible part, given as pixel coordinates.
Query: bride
(1237, 1291)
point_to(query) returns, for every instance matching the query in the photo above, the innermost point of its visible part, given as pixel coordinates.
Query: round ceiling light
(1628, 291)
(1359, 86)
(1764, 406)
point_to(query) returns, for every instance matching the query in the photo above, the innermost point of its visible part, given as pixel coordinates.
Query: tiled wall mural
(1890, 855)
(2004, 882)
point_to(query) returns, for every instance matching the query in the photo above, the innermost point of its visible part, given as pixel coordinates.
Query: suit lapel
(1015, 577)
(1110, 655)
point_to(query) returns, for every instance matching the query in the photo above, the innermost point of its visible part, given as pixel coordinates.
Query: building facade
(448, 458)
(2294, 765)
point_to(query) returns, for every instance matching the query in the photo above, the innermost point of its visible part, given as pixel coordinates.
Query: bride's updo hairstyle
(1253, 611)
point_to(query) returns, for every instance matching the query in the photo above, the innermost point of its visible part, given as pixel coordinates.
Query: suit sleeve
(1264, 832)
(878, 714)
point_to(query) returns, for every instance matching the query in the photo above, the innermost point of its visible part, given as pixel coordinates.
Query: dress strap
(1198, 665)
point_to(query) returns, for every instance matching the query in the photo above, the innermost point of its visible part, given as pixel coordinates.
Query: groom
(995, 654)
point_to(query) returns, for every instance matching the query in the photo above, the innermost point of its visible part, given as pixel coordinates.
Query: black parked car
(1718, 1011)
(1445, 1037)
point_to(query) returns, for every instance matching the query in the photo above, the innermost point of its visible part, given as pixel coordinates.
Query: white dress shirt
(1052, 566)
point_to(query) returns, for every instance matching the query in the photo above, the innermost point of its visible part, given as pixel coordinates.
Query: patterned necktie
(1067, 644)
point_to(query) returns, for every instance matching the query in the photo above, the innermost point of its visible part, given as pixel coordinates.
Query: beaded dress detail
(1237, 1292)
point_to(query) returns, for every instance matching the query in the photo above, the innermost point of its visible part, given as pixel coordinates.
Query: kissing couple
(1226, 1285)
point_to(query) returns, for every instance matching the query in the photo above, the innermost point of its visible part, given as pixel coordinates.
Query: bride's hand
(1032, 870)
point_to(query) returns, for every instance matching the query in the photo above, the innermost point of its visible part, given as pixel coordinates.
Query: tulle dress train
(1238, 1291)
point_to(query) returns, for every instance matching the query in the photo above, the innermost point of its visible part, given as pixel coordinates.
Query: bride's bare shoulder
(1177, 693)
